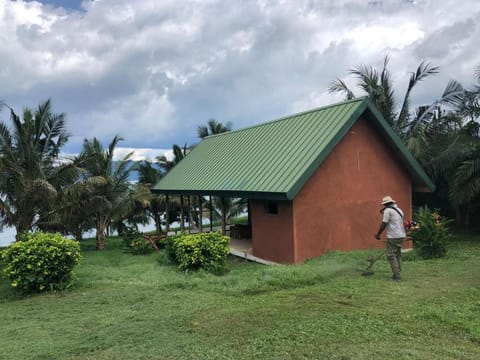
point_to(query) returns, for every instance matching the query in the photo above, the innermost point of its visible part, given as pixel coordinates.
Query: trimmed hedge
(41, 262)
(207, 251)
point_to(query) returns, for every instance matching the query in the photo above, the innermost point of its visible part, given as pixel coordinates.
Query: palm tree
(107, 182)
(30, 172)
(379, 87)
(178, 154)
(213, 127)
(148, 177)
(465, 186)
(413, 127)
(455, 149)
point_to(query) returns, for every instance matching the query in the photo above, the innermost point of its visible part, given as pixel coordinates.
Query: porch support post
(224, 217)
(200, 213)
(182, 218)
(167, 211)
(189, 209)
(211, 213)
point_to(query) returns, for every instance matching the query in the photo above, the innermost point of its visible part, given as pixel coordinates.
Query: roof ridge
(358, 99)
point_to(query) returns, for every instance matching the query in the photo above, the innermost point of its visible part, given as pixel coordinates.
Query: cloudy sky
(151, 71)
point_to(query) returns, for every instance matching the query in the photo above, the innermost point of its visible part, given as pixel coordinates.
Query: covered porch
(243, 248)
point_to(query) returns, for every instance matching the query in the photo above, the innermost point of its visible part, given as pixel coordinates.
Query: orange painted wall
(272, 235)
(338, 208)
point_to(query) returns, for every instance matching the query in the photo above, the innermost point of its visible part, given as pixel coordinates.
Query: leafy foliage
(140, 246)
(30, 174)
(213, 127)
(130, 233)
(432, 235)
(206, 251)
(40, 262)
(107, 184)
(134, 242)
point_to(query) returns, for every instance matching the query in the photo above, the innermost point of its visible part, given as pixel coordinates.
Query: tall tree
(465, 157)
(149, 175)
(411, 125)
(30, 172)
(178, 154)
(108, 183)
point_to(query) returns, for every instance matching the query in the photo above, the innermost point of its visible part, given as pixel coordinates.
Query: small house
(313, 180)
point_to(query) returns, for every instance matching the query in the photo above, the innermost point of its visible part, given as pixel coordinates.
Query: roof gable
(275, 159)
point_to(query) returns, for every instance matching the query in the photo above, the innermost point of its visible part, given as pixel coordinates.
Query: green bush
(431, 236)
(140, 246)
(170, 243)
(130, 233)
(41, 261)
(207, 251)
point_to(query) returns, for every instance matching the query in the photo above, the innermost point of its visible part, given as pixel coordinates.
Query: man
(393, 221)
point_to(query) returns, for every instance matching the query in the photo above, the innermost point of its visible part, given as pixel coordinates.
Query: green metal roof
(274, 160)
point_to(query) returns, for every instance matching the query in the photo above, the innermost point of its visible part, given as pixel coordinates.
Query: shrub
(41, 261)
(208, 251)
(170, 242)
(130, 233)
(431, 236)
(140, 246)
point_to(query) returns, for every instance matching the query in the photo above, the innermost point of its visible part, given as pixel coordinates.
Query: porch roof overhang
(229, 194)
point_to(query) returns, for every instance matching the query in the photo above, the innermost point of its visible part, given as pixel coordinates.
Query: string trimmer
(372, 260)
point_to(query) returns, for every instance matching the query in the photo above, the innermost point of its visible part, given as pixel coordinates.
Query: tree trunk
(158, 222)
(101, 234)
(23, 226)
(78, 235)
(224, 217)
(458, 216)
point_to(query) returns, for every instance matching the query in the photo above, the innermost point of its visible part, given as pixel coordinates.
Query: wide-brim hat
(387, 199)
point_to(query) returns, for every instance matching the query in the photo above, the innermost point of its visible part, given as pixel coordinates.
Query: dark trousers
(394, 255)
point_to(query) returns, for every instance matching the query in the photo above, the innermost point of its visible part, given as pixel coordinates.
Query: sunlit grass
(139, 307)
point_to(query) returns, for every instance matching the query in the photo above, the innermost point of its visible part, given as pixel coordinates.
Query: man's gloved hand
(377, 236)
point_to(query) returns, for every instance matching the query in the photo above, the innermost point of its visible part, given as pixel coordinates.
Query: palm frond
(423, 70)
(340, 86)
(466, 183)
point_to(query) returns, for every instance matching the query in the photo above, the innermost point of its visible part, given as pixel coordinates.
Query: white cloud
(139, 154)
(152, 71)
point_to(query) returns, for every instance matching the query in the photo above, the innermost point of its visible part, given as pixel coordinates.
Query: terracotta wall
(338, 208)
(272, 235)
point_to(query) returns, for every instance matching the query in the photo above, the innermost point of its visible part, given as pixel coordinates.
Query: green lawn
(135, 307)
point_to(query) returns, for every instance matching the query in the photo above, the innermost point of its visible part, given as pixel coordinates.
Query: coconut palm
(465, 186)
(178, 154)
(379, 87)
(149, 175)
(213, 127)
(31, 174)
(413, 127)
(108, 183)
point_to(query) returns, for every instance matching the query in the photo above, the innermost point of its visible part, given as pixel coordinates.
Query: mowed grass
(137, 307)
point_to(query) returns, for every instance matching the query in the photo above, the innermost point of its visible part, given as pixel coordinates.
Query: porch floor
(243, 248)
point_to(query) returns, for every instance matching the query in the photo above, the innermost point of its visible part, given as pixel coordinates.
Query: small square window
(271, 207)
